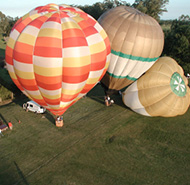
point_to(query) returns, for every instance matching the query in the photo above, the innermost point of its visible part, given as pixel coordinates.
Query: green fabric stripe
(142, 59)
(128, 77)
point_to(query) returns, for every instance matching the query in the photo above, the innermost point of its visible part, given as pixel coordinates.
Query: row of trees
(177, 35)
(154, 8)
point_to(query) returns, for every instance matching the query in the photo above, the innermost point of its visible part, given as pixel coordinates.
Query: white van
(34, 107)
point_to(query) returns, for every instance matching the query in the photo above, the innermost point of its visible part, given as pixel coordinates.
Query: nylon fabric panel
(52, 55)
(156, 93)
(132, 34)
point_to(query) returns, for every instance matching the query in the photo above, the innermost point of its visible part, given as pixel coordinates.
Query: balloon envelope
(56, 54)
(161, 91)
(136, 43)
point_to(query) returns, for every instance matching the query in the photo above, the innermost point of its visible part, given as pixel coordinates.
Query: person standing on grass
(10, 125)
(1, 133)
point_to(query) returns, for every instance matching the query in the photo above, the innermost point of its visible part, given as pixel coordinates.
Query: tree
(177, 42)
(4, 22)
(154, 8)
(97, 9)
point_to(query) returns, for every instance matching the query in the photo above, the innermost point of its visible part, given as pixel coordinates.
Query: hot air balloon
(56, 54)
(161, 91)
(136, 41)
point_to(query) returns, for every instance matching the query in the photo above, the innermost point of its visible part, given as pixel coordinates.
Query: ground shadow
(98, 94)
(23, 178)
(3, 119)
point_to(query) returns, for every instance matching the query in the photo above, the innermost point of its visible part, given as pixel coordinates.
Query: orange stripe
(83, 24)
(47, 51)
(74, 79)
(9, 51)
(72, 33)
(55, 18)
(48, 80)
(98, 60)
(48, 41)
(90, 31)
(22, 57)
(68, 98)
(28, 84)
(87, 88)
(47, 86)
(76, 71)
(38, 21)
(19, 27)
(52, 101)
(9, 59)
(74, 42)
(39, 101)
(108, 47)
(24, 48)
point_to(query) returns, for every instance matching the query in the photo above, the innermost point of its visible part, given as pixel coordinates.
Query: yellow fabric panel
(11, 43)
(76, 61)
(98, 47)
(92, 80)
(51, 96)
(69, 25)
(43, 71)
(12, 75)
(34, 16)
(24, 75)
(103, 34)
(78, 19)
(27, 39)
(48, 32)
(71, 92)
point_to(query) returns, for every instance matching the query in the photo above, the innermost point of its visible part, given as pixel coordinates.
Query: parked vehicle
(33, 107)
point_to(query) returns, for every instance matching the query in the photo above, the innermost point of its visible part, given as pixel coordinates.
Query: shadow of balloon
(98, 94)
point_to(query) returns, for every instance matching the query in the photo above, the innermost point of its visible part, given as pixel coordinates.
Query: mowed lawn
(97, 145)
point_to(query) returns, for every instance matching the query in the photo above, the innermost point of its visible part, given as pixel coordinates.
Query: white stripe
(10, 68)
(31, 30)
(122, 67)
(98, 27)
(14, 34)
(47, 62)
(73, 86)
(131, 99)
(94, 39)
(76, 52)
(23, 66)
(50, 92)
(34, 93)
(51, 25)
(95, 74)
(67, 20)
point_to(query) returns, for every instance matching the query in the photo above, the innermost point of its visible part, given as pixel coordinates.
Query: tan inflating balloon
(136, 43)
(162, 91)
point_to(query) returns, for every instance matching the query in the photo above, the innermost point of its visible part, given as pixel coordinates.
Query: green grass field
(97, 145)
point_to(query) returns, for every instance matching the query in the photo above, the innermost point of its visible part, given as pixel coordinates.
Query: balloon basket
(59, 121)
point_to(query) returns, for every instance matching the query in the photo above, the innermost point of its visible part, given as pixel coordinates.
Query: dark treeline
(177, 32)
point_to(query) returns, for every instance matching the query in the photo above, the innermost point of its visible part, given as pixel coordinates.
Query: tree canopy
(154, 8)
(177, 42)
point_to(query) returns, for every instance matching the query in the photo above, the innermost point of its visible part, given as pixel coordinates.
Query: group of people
(108, 101)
